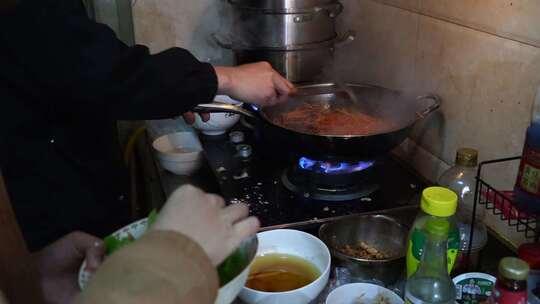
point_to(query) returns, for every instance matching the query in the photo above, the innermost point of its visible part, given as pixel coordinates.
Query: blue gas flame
(333, 167)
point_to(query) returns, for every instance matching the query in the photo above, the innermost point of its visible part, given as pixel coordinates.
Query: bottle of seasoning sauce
(527, 188)
(511, 286)
(530, 253)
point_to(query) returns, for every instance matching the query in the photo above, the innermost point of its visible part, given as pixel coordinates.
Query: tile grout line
(506, 36)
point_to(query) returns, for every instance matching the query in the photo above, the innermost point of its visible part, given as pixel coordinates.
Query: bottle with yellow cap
(431, 283)
(437, 203)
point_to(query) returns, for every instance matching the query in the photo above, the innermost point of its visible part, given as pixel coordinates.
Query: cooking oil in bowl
(281, 272)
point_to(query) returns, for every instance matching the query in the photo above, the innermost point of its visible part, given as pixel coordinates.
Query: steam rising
(216, 19)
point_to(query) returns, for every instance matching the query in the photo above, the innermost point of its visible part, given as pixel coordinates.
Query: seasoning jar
(511, 286)
(527, 188)
(530, 253)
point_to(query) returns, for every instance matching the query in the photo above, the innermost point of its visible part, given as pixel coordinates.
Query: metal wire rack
(501, 203)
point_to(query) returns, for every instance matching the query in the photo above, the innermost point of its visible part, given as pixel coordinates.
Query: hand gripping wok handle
(432, 108)
(218, 107)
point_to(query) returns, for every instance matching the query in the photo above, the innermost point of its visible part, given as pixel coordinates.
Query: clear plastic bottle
(431, 284)
(437, 203)
(461, 179)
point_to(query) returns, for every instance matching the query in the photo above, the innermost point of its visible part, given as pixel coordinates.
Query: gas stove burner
(333, 167)
(332, 180)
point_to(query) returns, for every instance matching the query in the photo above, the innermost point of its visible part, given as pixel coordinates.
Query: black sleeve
(82, 66)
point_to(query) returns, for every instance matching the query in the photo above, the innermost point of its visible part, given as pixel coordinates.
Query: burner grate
(331, 180)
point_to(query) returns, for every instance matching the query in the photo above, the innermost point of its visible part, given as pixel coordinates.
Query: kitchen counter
(206, 179)
(489, 258)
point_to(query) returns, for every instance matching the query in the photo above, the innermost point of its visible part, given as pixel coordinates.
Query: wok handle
(220, 107)
(432, 108)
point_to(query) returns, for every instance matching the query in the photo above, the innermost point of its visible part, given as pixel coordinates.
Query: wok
(391, 116)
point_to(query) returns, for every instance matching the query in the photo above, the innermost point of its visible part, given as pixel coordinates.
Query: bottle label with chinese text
(528, 178)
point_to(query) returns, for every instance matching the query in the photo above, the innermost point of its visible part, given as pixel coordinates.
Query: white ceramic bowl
(296, 243)
(179, 153)
(226, 293)
(361, 293)
(219, 123)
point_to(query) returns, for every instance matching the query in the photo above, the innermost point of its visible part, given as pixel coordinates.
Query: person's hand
(203, 217)
(189, 117)
(256, 83)
(58, 265)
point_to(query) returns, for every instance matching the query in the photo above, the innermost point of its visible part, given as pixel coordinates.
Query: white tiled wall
(481, 57)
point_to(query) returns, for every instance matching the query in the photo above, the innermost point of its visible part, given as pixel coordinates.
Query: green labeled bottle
(431, 283)
(436, 203)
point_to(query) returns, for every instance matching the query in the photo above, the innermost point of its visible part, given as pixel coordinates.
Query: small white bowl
(300, 244)
(361, 293)
(219, 123)
(179, 153)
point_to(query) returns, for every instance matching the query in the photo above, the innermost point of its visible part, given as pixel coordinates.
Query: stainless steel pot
(300, 65)
(297, 63)
(260, 28)
(283, 6)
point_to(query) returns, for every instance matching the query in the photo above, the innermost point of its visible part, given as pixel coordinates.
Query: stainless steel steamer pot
(260, 27)
(297, 37)
(282, 6)
(297, 65)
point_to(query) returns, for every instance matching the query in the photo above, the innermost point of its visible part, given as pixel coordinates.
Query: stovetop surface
(256, 181)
